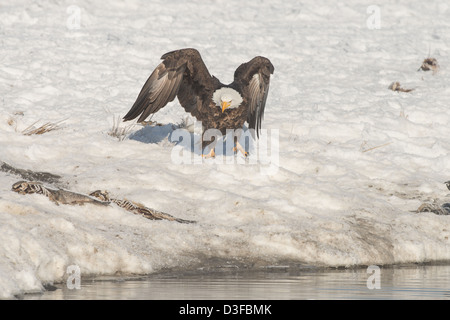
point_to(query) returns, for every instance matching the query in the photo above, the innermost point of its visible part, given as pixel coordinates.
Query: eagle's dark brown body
(183, 74)
(214, 118)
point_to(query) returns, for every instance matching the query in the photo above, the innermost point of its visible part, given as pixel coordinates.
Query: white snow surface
(355, 159)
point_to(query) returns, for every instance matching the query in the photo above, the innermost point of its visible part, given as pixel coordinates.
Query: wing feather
(182, 73)
(253, 78)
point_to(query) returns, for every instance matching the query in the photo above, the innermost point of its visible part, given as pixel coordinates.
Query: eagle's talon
(211, 154)
(238, 147)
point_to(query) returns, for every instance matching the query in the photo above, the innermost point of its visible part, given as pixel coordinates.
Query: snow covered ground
(354, 158)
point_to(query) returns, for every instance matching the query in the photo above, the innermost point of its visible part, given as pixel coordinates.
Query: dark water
(406, 282)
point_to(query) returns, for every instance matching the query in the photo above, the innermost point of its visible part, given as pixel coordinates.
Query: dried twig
(429, 64)
(47, 127)
(186, 124)
(58, 196)
(383, 145)
(395, 86)
(117, 131)
(98, 197)
(436, 208)
(136, 208)
(30, 175)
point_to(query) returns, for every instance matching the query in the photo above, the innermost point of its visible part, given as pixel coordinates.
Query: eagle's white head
(227, 98)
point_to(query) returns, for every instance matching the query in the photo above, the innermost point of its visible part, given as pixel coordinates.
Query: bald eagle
(183, 74)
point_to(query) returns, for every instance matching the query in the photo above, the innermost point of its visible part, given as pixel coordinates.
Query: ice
(355, 158)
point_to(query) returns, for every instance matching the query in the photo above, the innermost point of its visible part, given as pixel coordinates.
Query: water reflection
(418, 282)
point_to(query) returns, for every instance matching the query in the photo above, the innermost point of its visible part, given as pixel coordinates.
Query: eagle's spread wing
(182, 73)
(253, 78)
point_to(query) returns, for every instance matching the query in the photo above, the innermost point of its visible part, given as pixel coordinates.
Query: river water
(276, 283)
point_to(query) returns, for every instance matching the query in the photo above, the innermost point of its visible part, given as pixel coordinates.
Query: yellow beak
(225, 105)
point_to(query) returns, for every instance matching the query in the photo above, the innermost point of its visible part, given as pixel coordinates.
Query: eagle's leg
(211, 146)
(211, 154)
(237, 147)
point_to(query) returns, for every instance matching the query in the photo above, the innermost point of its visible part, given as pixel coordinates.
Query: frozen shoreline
(282, 283)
